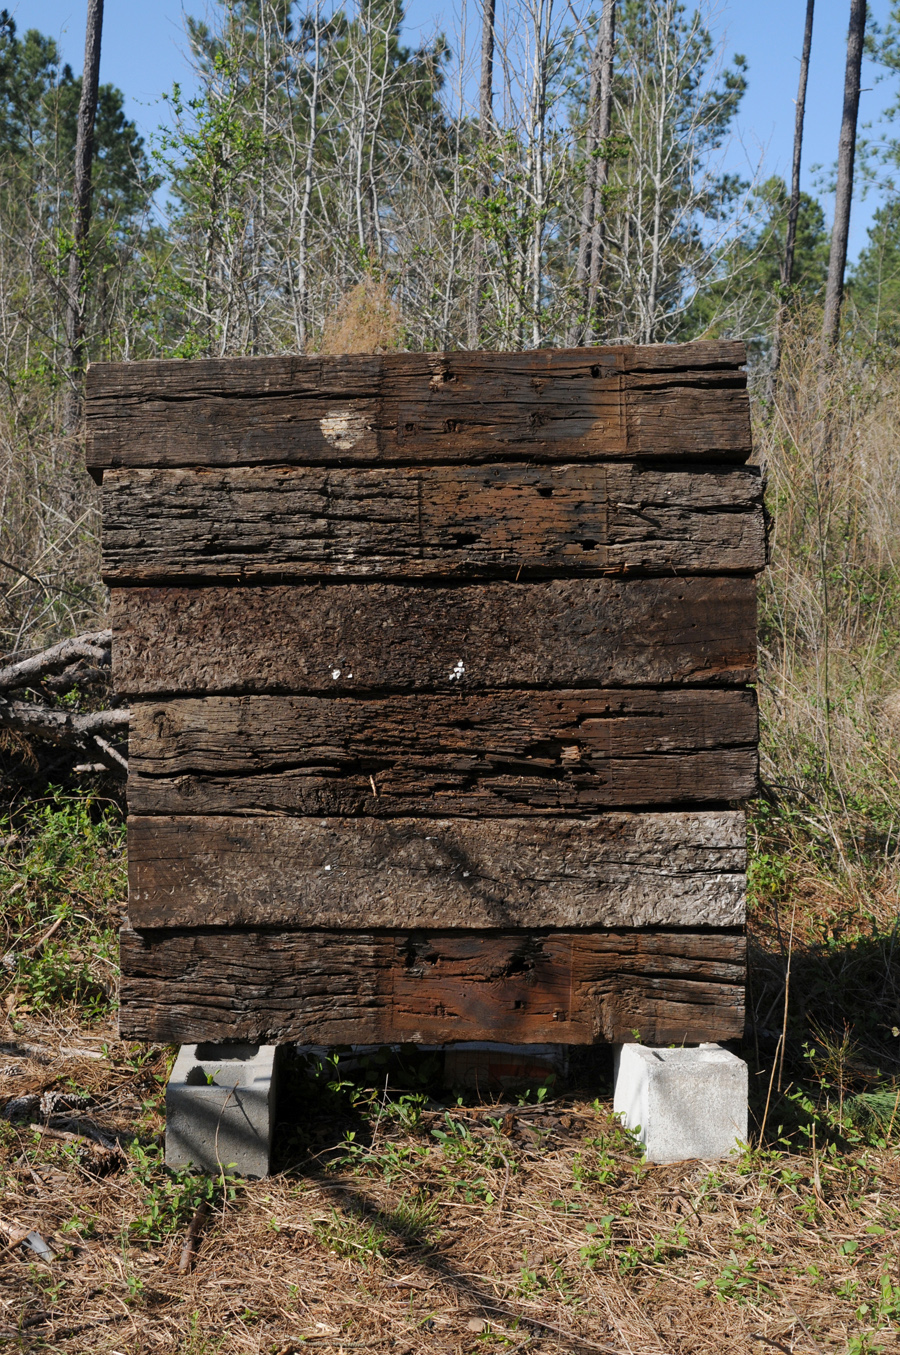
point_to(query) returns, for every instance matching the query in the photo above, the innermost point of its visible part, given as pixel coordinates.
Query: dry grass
(366, 320)
(830, 600)
(530, 1227)
(542, 1230)
(49, 533)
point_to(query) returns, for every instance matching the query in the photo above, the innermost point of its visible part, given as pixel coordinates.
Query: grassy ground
(404, 1219)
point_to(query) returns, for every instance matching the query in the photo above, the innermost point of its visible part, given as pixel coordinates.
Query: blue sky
(143, 45)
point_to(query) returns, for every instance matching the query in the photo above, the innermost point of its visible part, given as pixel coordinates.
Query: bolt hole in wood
(262, 518)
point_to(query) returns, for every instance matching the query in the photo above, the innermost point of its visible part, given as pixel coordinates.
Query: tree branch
(95, 645)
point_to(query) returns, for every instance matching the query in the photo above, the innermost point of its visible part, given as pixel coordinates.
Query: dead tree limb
(82, 661)
(37, 667)
(84, 159)
(837, 259)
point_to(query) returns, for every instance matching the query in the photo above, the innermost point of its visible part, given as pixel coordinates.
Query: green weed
(62, 878)
(415, 1216)
(389, 1160)
(739, 1279)
(598, 1249)
(171, 1198)
(350, 1236)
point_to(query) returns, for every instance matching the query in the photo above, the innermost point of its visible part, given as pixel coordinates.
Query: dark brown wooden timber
(464, 522)
(544, 405)
(613, 870)
(438, 671)
(339, 639)
(494, 753)
(336, 987)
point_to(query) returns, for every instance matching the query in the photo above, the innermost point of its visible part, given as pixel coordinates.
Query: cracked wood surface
(356, 809)
(343, 987)
(545, 405)
(463, 522)
(492, 753)
(395, 637)
(615, 870)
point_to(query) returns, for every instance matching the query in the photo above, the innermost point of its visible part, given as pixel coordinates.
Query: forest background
(327, 187)
(323, 184)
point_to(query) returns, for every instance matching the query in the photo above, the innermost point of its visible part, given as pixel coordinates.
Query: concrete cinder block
(220, 1107)
(687, 1102)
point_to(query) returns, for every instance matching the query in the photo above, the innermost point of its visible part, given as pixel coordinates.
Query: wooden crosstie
(439, 668)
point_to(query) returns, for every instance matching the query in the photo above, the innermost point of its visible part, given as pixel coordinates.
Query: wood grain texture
(493, 753)
(615, 870)
(546, 405)
(462, 522)
(394, 637)
(336, 987)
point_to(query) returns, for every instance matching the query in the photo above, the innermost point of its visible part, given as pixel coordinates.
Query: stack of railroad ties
(439, 672)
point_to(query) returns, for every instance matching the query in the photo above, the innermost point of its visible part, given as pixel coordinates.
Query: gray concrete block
(687, 1103)
(220, 1107)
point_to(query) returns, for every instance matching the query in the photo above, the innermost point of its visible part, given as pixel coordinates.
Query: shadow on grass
(825, 1016)
(317, 1122)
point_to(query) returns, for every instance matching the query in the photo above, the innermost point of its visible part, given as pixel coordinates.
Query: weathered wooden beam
(614, 870)
(395, 637)
(463, 522)
(494, 753)
(336, 987)
(545, 405)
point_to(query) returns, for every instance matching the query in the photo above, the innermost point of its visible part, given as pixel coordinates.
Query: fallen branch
(192, 1238)
(59, 726)
(100, 1150)
(83, 732)
(82, 661)
(94, 645)
(42, 940)
(111, 752)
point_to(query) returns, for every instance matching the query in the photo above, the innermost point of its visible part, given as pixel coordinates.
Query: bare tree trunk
(837, 259)
(486, 84)
(483, 187)
(606, 48)
(541, 16)
(302, 306)
(787, 263)
(586, 227)
(787, 268)
(84, 155)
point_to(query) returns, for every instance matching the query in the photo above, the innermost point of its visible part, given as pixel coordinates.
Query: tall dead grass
(366, 320)
(49, 532)
(825, 859)
(830, 601)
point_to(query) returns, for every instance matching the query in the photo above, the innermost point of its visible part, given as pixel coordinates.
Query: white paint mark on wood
(342, 430)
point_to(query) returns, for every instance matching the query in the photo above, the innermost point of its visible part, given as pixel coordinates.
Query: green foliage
(39, 98)
(667, 197)
(171, 1198)
(63, 868)
(415, 1217)
(874, 283)
(745, 296)
(739, 1279)
(352, 1236)
(601, 1243)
